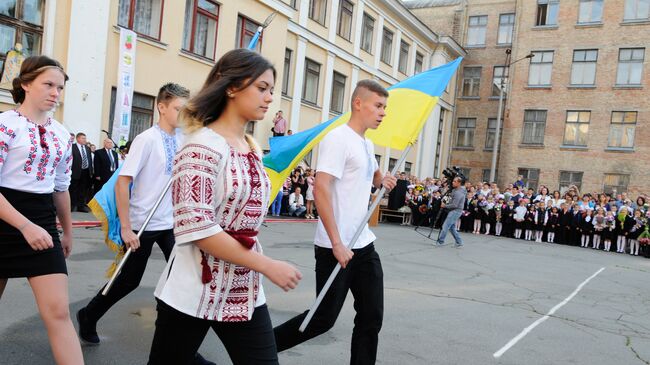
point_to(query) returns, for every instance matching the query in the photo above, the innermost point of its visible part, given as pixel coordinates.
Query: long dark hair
(237, 69)
(31, 68)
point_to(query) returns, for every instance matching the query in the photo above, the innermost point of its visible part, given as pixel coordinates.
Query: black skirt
(17, 258)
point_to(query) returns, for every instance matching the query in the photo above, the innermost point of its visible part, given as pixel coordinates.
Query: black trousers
(79, 189)
(178, 337)
(365, 278)
(129, 278)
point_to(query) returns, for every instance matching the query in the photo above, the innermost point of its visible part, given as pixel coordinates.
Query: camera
(450, 173)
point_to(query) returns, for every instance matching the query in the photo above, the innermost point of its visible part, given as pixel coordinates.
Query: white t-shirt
(149, 163)
(350, 158)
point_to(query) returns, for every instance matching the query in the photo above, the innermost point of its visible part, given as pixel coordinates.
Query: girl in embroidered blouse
(220, 194)
(35, 161)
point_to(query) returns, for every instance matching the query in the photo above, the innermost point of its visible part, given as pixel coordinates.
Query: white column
(48, 32)
(418, 156)
(334, 17)
(357, 28)
(396, 48)
(380, 36)
(87, 42)
(303, 13)
(327, 90)
(296, 97)
(429, 141)
(354, 78)
(411, 62)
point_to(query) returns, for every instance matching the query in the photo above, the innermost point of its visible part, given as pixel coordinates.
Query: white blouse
(31, 161)
(215, 188)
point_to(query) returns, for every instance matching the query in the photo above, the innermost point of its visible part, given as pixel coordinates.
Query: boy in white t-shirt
(148, 167)
(347, 170)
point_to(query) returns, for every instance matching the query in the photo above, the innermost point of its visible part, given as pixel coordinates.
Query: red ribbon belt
(245, 237)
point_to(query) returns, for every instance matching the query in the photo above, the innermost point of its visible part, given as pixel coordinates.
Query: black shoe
(200, 360)
(83, 209)
(87, 329)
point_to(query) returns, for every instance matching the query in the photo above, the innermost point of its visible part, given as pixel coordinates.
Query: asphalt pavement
(442, 305)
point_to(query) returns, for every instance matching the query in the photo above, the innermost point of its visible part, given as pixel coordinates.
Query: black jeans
(129, 278)
(178, 337)
(365, 278)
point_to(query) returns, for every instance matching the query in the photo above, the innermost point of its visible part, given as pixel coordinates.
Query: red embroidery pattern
(68, 160)
(4, 146)
(32, 151)
(58, 151)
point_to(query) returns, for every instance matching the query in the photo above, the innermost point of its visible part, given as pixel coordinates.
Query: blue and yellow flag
(104, 207)
(409, 104)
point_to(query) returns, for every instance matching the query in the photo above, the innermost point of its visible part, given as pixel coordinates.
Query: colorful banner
(124, 93)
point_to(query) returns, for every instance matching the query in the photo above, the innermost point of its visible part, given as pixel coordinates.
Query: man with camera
(455, 209)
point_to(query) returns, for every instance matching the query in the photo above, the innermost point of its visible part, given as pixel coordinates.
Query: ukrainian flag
(409, 104)
(104, 207)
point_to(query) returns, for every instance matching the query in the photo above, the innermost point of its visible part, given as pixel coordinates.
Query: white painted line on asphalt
(539, 321)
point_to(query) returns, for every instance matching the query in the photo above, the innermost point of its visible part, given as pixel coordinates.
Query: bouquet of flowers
(609, 221)
(644, 238)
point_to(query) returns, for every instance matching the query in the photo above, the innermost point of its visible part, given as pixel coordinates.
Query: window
(465, 171)
(547, 12)
(615, 183)
(534, 125)
(486, 175)
(310, 86)
(22, 23)
(500, 75)
(541, 66)
(200, 29)
(338, 92)
(246, 29)
(286, 72)
(407, 167)
(345, 19)
(621, 131)
(531, 177)
(630, 66)
(391, 163)
(506, 26)
(142, 16)
(476, 31)
(576, 128)
(386, 46)
(637, 10)
(465, 132)
(141, 113)
(583, 69)
(491, 133)
(568, 178)
(471, 81)
(368, 27)
(250, 128)
(591, 11)
(419, 62)
(317, 10)
(403, 57)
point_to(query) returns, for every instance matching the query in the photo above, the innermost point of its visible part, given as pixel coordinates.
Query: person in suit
(81, 173)
(106, 162)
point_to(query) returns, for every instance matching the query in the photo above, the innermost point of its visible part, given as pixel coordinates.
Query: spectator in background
(520, 182)
(81, 174)
(297, 203)
(279, 125)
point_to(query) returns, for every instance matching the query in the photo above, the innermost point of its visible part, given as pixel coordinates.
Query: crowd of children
(609, 222)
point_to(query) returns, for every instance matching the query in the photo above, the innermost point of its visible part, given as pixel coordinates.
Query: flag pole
(337, 268)
(140, 232)
(251, 45)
